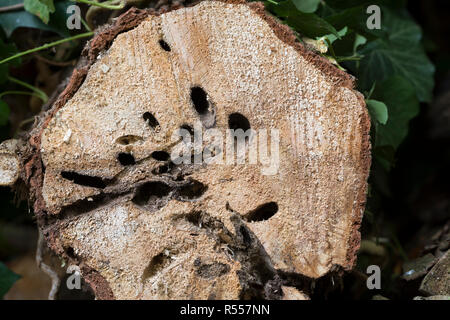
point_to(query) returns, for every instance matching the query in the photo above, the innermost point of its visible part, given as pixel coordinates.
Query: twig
(106, 4)
(25, 93)
(26, 121)
(52, 274)
(12, 7)
(46, 46)
(41, 94)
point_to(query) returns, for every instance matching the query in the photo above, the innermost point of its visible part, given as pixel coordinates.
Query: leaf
(378, 111)
(40, 8)
(307, 6)
(400, 98)
(332, 38)
(7, 279)
(359, 41)
(343, 4)
(354, 18)
(307, 24)
(12, 20)
(399, 54)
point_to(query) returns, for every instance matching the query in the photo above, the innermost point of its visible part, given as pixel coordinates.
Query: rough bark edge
(98, 283)
(354, 240)
(34, 169)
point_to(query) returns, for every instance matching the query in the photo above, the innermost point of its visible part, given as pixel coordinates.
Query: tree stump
(111, 197)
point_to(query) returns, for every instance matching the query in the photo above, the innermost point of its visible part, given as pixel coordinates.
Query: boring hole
(183, 135)
(126, 159)
(150, 119)
(157, 264)
(199, 99)
(128, 139)
(71, 253)
(238, 121)
(262, 212)
(151, 190)
(194, 217)
(188, 128)
(164, 45)
(193, 190)
(160, 155)
(84, 180)
(160, 170)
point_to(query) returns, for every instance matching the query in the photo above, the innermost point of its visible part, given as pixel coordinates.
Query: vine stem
(12, 7)
(46, 46)
(25, 93)
(350, 58)
(56, 281)
(37, 91)
(105, 4)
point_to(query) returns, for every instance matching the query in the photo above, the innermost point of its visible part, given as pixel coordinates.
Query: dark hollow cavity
(128, 139)
(188, 128)
(193, 190)
(164, 45)
(160, 155)
(156, 265)
(262, 212)
(126, 159)
(199, 99)
(153, 189)
(238, 121)
(150, 119)
(84, 180)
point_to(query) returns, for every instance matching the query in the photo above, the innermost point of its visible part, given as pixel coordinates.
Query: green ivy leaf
(307, 6)
(332, 38)
(40, 8)
(400, 98)
(12, 20)
(378, 111)
(399, 54)
(354, 18)
(359, 41)
(7, 279)
(307, 24)
(343, 4)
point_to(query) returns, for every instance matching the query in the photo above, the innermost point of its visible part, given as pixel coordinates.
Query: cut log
(112, 197)
(9, 162)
